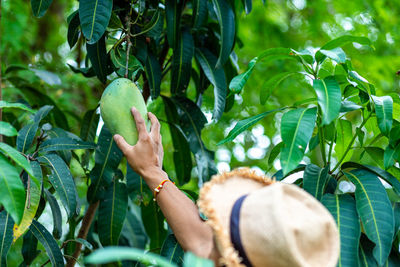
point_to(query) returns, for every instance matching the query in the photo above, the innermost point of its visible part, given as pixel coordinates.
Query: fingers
(122, 144)
(140, 124)
(155, 124)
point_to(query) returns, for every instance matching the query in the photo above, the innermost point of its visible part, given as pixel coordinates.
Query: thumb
(122, 144)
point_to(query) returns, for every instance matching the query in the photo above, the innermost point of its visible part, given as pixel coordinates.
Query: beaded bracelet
(159, 187)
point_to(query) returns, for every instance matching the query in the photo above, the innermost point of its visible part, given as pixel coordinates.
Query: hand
(146, 156)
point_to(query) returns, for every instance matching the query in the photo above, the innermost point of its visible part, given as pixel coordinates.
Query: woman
(252, 220)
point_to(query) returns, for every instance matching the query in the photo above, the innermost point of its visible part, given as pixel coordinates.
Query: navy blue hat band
(235, 232)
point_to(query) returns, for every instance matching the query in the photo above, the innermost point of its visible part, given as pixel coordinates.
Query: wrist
(154, 176)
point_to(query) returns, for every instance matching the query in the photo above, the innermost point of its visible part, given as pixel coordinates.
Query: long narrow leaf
(39, 7)
(343, 210)
(296, 131)
(6, 236)
(153, 73)
(172, 250)
(56, 212)
(217, 77)
(97, 55)
(226, 21)
(112, 212)
(11, 152)
(271, 84)
(49, 243)
(112, 254)
(64, 143)
(173, 10)
(7, 129)
(12, 192)
(238, 82)
(375, 211)
(199, 13)
(5, 104)
(245, 124)
(62, 181)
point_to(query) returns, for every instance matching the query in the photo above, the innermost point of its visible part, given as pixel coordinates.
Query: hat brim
(216, 200)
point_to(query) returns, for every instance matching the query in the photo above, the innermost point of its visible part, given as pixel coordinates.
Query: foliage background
(299, 24)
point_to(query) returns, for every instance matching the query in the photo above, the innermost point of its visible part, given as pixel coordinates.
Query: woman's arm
(181, 213)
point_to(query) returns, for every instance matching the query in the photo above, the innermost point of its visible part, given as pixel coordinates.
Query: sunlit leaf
(245, 124)
(7, 129)
(271, 84)
(238, 82)
(329, 95)
(337, 54)
(384, 113)
(296, 131)
(6, 105)
(343, 139)
(375, 211)
(11, 152)
(12, 192)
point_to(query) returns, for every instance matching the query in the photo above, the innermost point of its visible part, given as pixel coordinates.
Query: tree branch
(128, 41)
(86, 223)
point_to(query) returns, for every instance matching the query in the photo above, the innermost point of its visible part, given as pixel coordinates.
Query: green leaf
(62, 181)
(279, 174)
(64, 143)
(315, 179)
(6, 236)
(39, 7)
(182, 157)
(173, 10)
(107, 159)
(238, 82)
(34, 191)
(199, 13)
(247, 5)
(97, 55)
(340, 42)
(29, 249)
(7, 129)
(343, 210)
(48, 242)
(329, 95)
(133, 229)
(192, 121)
(348, 105)
(390, 155)
(182, 63)
(343, 139)
(56, 212)
(226, 21)
(16, 157)
(86, 72)
(112, 212)
(172, 250)
(26, 135)
(216, 76)
(5, 104)
(153, 73)
(191, 260)
(12, 192)
(153, 221)
(94, 16)
(384, 113)
(375, 211)
(274, 153)
(366, 259)
(73, 28)
(113, 254)
(379, 172)
(154, 28)
(337, 54)
(42, 112)
(118, 57)
(271, 84)
(89, 124)
(243, 125)
(296, 130)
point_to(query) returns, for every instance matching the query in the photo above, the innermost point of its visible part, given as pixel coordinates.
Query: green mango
(115, 108)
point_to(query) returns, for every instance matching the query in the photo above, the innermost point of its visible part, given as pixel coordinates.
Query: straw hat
(259, 222)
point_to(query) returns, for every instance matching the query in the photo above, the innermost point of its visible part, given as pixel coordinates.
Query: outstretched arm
(181, 213)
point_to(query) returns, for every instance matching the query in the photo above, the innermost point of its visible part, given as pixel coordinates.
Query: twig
(128, 41)
(86, 223)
